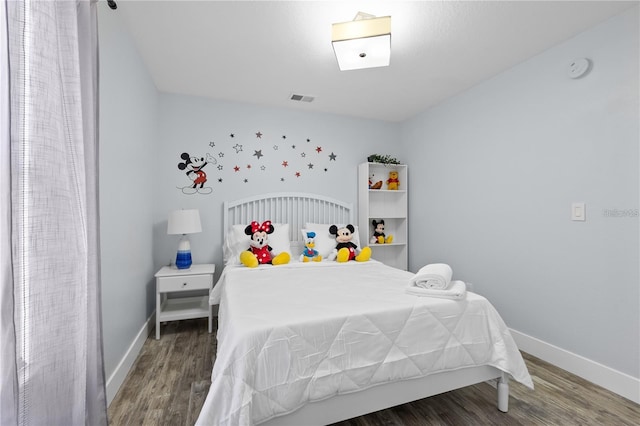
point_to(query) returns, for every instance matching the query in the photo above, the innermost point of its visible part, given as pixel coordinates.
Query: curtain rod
(112, 4)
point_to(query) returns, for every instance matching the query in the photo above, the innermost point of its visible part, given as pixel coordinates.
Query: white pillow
(237, 241)
(325, 242)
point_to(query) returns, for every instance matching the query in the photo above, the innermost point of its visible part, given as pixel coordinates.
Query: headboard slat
(293, 208)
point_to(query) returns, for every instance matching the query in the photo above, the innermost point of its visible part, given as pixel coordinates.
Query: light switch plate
(578, 211)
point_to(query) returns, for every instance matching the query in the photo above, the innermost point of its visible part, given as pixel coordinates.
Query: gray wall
(494, 172)
(189, 124)
(128, 133)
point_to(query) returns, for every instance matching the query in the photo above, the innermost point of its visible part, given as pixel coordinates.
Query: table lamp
(184, 222)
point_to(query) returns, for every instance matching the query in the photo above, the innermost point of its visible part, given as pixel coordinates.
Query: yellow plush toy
(393, 183)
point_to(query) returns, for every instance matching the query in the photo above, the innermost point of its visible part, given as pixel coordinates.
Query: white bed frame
(297, 209)
(293, 208)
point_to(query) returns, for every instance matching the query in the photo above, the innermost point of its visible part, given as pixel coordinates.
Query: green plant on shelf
(383, 159)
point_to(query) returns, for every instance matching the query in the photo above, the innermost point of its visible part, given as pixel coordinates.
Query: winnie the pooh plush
(393, 183)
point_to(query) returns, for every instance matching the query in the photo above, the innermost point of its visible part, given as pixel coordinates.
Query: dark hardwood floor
(169, 381)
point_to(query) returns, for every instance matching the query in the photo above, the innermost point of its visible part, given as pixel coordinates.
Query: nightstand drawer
(184, 283)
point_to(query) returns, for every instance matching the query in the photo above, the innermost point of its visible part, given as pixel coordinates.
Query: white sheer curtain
(51, 364)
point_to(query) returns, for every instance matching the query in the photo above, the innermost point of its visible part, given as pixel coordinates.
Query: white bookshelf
(388, 205)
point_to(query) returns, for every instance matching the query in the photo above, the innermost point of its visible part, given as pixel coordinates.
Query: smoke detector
(579, 67)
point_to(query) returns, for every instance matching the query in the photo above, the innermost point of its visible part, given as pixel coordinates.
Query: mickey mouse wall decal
(194, 166)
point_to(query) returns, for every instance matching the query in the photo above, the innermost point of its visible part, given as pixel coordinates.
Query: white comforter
(301, 332)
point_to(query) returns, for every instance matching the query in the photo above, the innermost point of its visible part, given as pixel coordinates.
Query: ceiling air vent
(301, 98)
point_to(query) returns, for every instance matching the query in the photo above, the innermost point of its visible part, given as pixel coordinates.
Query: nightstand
(169, 279)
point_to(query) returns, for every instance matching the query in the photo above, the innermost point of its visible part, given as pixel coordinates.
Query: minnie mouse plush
(259, 252)
(345, 249)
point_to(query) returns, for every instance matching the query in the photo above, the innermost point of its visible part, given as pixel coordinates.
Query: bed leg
(503, 393)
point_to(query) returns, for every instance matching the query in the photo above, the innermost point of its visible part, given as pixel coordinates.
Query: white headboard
(294, 208)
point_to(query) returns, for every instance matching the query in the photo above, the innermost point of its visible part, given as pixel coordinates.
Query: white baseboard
(610, 379)
(120, 373)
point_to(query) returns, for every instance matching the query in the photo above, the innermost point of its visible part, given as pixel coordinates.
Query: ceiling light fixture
(364, 42)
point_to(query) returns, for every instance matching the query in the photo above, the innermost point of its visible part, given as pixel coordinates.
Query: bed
(319, 342)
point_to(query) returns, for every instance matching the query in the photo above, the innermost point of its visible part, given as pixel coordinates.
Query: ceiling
(261, 52)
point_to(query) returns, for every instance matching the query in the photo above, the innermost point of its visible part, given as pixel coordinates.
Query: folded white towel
(457, 290)
(435, 276)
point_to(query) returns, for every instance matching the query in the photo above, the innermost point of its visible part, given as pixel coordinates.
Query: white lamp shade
(362, 43)
(184, 222)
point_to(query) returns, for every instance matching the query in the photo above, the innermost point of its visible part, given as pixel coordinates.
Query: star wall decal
(262, 164)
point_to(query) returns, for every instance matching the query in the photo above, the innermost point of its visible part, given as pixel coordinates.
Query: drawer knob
(184, 284)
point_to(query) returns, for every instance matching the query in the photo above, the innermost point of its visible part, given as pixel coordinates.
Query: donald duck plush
(310, 253)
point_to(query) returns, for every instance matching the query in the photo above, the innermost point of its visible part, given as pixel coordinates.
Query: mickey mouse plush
(378, 233)
(259, 252)
(345, 249)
